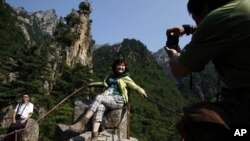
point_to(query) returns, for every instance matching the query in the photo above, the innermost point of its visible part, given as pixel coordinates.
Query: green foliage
(72, 19)
(25, 63)
(70, 80)
(28, 68)
(47, 126)
(85, 6)
(66, 36)
(3, 130)
(11, 37)
(37, 35)
(148, 121)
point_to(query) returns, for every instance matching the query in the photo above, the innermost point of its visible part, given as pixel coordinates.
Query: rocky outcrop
(117, 122)
(80, 50)
(7, 113)
(115, 126)
(31, 132)
(161, 56)
(46, 20)
(103, 136)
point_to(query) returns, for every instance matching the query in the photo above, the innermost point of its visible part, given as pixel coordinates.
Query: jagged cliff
(80, 50)
(36, 27)
(46, 20)
(74, 35)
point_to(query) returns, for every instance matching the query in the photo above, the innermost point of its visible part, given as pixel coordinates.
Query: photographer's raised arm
(174, 50)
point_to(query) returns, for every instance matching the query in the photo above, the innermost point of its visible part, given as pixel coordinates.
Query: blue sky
(114, 20)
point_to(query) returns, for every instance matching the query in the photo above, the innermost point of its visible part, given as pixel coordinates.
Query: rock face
(161, 56)
(80, 51)
(6, 117)
(46, 20)
(31, 132)
(117, 121)
(103, 136)
(115, 126)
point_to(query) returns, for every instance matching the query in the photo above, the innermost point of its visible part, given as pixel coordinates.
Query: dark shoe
(79, 126)
(94, 136)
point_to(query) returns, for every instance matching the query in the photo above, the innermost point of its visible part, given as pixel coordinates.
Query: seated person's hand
(90, 84)
(144, 95)
(23, 121)
(14, 121)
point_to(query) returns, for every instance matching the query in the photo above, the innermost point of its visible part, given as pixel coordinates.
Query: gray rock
(114, 127)
(31, 132)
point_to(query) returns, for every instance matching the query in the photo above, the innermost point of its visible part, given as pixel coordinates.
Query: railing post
(15, 135)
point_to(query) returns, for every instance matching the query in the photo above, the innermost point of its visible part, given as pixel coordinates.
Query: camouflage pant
(103, 102)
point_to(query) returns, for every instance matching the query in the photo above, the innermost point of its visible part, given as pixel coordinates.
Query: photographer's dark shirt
(223, 36)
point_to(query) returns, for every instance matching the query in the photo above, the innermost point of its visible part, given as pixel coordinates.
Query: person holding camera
(221, 35)
(22, 113)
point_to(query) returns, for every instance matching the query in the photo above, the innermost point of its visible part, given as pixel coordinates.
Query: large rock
(115, 126)
(117, 121)
(31, 132)
(103, 136)
(62, 133)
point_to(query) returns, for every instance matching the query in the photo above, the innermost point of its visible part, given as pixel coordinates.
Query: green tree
(72, 19)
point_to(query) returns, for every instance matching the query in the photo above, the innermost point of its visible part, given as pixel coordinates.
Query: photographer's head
(200, 8)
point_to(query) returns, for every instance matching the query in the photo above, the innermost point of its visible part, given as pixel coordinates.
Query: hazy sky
(114, 20)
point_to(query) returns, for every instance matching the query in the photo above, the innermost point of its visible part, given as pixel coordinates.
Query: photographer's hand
(172, 52)
(178, 69)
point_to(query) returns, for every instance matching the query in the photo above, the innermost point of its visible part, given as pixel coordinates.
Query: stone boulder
(117, 121)
(63, 134)
(31, 132)
(103, 136)
(115, 126)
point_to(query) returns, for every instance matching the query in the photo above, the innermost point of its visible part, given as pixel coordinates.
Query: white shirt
(25, 111)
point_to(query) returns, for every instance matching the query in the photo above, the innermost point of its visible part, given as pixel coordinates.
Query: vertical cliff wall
(80, 50)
